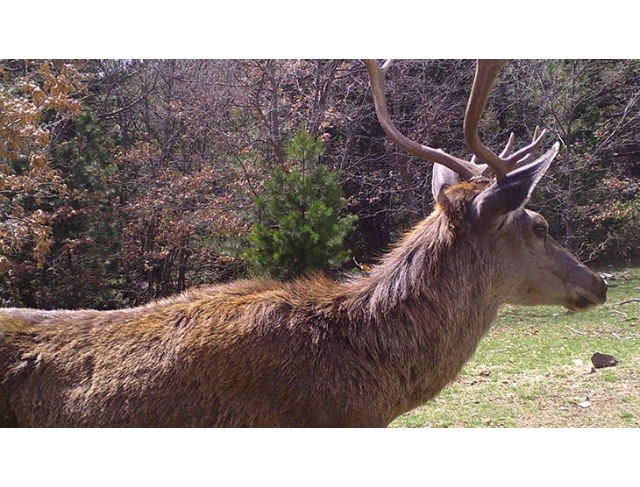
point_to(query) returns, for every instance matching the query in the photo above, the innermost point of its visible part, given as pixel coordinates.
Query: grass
(534, 369)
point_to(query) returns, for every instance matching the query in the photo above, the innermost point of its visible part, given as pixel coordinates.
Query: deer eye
(540, 231)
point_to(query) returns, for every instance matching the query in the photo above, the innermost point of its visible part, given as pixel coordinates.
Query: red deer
(313, 352)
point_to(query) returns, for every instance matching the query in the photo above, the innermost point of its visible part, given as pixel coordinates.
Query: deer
(312, 352)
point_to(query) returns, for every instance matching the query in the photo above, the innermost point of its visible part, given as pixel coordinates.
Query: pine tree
(301, 229)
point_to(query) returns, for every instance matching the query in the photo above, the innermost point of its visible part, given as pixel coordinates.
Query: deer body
(254, 353)
(265, 353)
(312, 352)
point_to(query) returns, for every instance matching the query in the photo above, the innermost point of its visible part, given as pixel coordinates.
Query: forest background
(123, 181)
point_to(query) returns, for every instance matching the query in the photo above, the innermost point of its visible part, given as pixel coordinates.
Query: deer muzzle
(588, 296)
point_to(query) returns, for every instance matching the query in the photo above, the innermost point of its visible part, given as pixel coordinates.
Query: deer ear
(511, 192)
(441, 178)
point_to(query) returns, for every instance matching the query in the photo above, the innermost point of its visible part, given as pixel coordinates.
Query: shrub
(301, 227)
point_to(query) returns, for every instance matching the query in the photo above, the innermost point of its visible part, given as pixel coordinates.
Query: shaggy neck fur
(427, 302)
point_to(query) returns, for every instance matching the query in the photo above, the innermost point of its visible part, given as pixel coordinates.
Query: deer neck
(428, 303)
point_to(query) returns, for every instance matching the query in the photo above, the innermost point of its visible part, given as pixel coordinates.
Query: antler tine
(465, 169)
(486, 73)
(524, 155)
(509, 147)
(505, 152)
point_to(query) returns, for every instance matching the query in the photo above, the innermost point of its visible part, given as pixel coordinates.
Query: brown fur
(264, 353)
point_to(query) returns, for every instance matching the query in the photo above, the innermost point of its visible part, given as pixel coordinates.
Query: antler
(377, 74)
(486, 73)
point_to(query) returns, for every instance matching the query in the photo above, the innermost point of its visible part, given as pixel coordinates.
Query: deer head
(527, 264)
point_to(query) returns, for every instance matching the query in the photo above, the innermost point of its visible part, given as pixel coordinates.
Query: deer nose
(604, 276)
(600, 289)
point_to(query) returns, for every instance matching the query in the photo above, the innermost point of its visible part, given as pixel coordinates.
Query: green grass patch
(534, 369)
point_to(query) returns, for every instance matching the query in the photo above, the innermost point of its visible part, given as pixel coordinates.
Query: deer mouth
(585, 302)
(587, 296)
